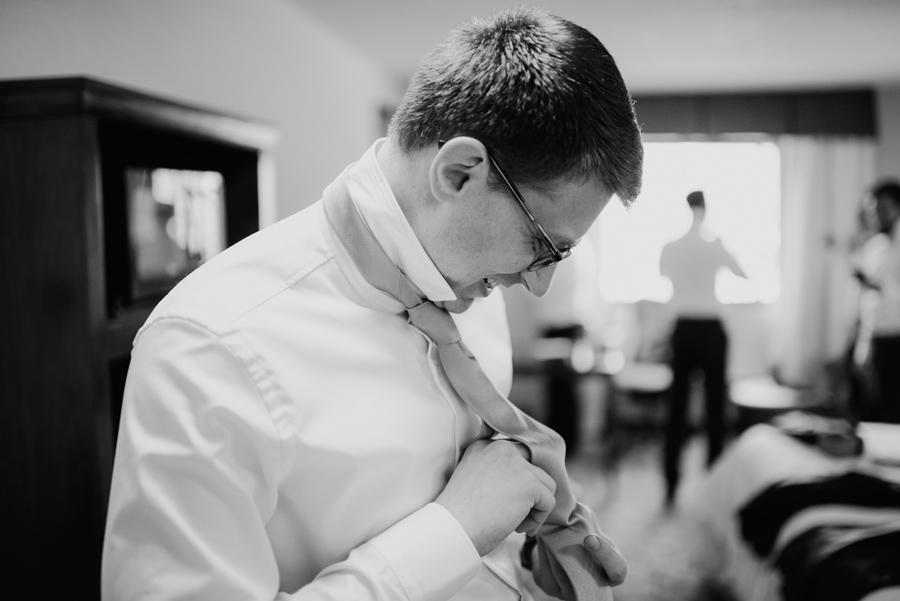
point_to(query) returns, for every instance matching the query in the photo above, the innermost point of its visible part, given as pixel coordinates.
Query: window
(741, 181)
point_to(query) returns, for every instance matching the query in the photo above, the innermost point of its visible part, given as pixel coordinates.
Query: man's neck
(408, 178)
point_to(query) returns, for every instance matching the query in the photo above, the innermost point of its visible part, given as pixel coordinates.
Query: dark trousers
(886, 365)
(563, 415)
(697, 344)
(562, 389)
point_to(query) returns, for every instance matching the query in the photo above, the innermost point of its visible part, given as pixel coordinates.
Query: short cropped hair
(887, 189)
(543, 95)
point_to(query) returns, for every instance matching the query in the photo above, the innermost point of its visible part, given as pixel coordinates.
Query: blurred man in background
(699, 342)
(884, 279)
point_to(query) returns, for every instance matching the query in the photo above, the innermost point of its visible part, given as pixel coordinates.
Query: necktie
(559, 541)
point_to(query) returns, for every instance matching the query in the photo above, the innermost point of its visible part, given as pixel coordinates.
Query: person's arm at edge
(731, 262)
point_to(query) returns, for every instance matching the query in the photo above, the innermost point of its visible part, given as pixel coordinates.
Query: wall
(267, 60)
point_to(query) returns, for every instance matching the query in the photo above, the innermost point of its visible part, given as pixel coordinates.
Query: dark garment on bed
(835, 436)
(839, 563)
(762, 518)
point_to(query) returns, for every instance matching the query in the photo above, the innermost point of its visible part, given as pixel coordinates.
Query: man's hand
(605, 552)
(495, 490)
(600, 548)
(864, 280)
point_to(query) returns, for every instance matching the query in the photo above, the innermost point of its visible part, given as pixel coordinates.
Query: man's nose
(538, 282)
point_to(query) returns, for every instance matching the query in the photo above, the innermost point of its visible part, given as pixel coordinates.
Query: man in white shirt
(885, 316)
(286, 433)
(698, 340)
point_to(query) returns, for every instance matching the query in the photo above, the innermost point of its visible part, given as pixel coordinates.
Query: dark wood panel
(52, 463)
(821, 113)
(850, 113)
(671, 114)
(64, 146)
(84, 96)
(743, 114)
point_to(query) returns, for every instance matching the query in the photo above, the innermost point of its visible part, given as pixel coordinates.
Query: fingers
(476, 446)
(605, 553)
(520, 448)
(602, 549)
(495, 490)
(544, 500)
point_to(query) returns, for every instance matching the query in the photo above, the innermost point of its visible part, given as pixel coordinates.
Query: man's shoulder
(249, 273)
(677, 246)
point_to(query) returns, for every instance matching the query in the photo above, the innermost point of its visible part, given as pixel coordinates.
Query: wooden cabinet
(67, 309)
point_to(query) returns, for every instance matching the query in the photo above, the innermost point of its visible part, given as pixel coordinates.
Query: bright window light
(741, 182)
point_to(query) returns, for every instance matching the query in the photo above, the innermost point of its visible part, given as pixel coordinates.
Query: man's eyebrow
(542, 249)
(564, 241)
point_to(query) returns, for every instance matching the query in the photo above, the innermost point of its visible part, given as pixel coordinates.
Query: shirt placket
(465, 421)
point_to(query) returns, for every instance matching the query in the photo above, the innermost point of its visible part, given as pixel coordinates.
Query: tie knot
(435, 322)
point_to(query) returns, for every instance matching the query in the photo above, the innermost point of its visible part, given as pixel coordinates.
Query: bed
(763, 459)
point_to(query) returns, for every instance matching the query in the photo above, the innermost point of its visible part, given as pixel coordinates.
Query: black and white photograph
(420, 300)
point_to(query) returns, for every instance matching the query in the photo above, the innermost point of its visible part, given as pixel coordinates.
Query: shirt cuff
(430, 553)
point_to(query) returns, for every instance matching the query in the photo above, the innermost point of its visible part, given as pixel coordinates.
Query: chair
(638, 390)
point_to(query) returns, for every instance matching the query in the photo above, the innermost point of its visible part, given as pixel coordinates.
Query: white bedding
(761, 457)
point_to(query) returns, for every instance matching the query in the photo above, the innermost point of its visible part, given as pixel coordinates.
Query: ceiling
(665, 46)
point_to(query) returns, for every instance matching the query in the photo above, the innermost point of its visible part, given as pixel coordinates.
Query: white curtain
(823, 182)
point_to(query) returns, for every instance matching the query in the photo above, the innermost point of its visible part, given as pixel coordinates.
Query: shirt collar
(378, 206)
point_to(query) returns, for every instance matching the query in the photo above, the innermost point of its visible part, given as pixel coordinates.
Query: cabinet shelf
(71, 301)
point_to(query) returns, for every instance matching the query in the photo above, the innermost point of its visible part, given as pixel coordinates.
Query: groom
(319, 411)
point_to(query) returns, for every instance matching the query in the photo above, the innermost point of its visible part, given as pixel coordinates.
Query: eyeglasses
(556, 254)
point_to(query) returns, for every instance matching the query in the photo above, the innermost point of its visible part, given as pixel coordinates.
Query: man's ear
(459, 168)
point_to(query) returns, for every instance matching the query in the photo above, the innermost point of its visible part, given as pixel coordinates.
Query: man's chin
(466, 296)
(456, 306)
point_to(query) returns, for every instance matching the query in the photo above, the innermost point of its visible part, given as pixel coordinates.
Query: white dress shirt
(284, 430)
